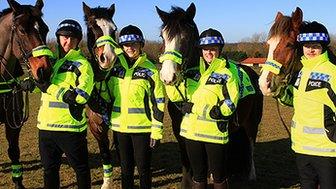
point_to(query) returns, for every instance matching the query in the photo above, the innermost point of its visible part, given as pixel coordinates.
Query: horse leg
(100, 131)
(176, 118)
(12, 136)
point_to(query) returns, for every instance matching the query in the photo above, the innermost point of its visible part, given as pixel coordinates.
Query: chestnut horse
(180, 34)
(282, 41)
(23, 39)
(101, 33)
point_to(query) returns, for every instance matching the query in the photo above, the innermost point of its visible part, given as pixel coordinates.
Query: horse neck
(7, 59)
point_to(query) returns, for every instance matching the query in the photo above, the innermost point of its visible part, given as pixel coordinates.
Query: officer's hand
(70, 97)
(186, 107)
(27, 85)
(215, 113)
(43, 86)
(154, 143)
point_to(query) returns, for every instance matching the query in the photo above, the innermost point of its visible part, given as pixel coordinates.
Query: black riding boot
(222, 185)
(186, 182)
(18, 182)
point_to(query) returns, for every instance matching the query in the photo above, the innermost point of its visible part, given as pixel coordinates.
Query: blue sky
(236, 19)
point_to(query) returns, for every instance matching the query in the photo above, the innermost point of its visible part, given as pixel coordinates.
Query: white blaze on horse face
(264, 83)
(169, 67)
(107, 59)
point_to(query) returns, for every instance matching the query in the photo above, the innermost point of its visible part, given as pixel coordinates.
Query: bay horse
(101, 34)
(23, 39)
(180, 34)
(282, 40)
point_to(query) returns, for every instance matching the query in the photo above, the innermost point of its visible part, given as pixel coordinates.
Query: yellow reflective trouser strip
(107, 170)
(16, 171)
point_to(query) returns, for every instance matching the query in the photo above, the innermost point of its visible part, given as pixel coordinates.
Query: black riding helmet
(313, 32)
(211, 37)
(131, 34)
(69, 27)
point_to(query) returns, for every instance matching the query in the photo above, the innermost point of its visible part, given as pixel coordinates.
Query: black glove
(76, 111)
(43, 86)
(186, 107)
(27, 85)
(154, 143)
(70, 97)
(215, 113)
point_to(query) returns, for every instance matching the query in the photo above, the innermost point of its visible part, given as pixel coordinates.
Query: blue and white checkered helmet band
(303, 37)
(211, 40)
(130, 38)
(69, 25)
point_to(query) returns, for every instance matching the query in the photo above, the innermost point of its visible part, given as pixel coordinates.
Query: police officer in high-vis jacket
(61, 119)
(205, 124)
(137, 112)
(313, 95)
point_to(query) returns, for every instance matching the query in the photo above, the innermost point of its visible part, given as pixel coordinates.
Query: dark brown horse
(180, 34)
(23, 39)
(101, 32)
(282, 41)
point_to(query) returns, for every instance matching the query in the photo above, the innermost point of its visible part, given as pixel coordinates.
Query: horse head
(283, 49)
(101, 33)
(180, 36)
(26, 38)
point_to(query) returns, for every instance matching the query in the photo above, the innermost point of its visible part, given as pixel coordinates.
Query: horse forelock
(281, 27)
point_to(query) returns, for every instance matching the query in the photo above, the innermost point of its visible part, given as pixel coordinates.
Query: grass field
(275, 163)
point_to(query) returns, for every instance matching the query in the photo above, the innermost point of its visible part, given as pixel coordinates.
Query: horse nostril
(102, 58)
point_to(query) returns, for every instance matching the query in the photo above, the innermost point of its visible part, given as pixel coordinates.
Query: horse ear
(278, 17)
(191, 11)
(163, 15)
(111, 10)
(297, 18)
(86, 10)
(15, 6)
(39, 4)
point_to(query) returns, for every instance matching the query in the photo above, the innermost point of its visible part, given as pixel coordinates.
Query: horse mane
(178, 19)
(281, 27)
(5, 11)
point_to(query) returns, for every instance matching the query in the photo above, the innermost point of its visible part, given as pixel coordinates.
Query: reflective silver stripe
(312, 130)
(66, 126)
(136, 110)
(319, 149)
(115, 125)
(204, 119)
(116, 109)
(205, 110)
(158, 126)
(211, 137)
(139, 127)
(293, 124)
(58, 105)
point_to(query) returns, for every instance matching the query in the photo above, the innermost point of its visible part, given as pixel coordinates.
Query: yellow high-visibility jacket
(313, 130)
(216, 86)
(138, 98)
(72, 71)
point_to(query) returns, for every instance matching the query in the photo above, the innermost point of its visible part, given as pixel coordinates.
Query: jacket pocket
(330, 123)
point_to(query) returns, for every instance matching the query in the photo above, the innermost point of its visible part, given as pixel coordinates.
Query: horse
(24, 41)
(282, 36)
(101, 33)
(180, 36)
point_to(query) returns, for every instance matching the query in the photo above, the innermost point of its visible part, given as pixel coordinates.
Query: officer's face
(210, 52)
(68, 42)
(132, 50)
(311, 50)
